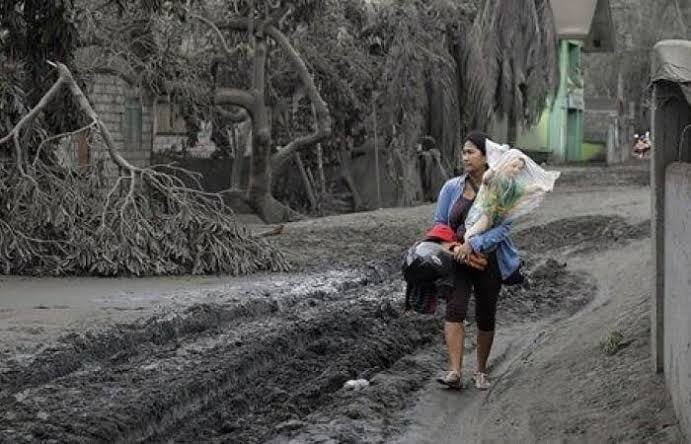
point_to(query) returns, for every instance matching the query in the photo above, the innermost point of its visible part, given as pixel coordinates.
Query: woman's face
(473, 159)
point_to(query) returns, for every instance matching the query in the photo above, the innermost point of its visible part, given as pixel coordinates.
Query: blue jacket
(495, 239)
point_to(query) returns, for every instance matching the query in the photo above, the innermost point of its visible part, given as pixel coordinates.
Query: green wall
(593, 151)
(560, 129)
(537, 138)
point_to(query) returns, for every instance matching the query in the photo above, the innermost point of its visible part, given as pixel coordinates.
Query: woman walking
(455, 199)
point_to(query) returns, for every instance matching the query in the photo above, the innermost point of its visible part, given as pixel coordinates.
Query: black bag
(421, 297)
(516, 278)
(428, 270)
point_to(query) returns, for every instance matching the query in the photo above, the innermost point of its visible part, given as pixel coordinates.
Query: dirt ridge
(114, 344)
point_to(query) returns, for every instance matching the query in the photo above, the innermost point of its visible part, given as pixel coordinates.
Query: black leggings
(484, 284)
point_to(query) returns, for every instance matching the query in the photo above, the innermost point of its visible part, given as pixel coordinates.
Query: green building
(582, 26)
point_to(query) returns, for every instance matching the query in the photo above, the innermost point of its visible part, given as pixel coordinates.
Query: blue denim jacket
(496, 238)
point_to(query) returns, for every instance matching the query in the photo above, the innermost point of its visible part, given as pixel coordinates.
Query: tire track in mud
(148, 392)
(266, 366)
(552, 292)
(126, 340)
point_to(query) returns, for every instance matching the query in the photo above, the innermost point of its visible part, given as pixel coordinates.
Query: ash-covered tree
(71, 220)
(265, 26)
(434, 67)
(625, 73)
(31, 32)
(518, 43)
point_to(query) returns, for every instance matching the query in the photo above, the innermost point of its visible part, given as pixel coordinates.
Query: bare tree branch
(271, 232)
(88, 109)
(27, 121)
(230, 53)
(680, 16)
(60, 136)
(61, 223)
(323, 123)
(237, 97)
(235, 117)
(50, 95)
(236, 24)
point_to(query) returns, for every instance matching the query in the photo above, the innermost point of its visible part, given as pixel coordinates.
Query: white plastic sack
(495, 152)
(513, 186)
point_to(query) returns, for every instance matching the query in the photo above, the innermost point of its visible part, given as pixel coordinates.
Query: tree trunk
(347, 176)
(259, 195)
(253, 101)
(406, 190)
(320, 160)
(512, 132)
(306, 182)
(238, 157)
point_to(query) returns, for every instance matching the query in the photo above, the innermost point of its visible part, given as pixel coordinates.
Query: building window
(83, 150)
(132, 124)
(575, 73)
(169, 120)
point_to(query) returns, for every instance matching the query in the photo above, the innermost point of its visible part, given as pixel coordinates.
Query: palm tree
(519, 45)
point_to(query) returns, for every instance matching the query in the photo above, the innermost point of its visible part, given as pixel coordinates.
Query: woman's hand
(462, 251)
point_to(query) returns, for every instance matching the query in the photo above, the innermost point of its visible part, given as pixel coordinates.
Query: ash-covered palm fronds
(433, 68)
(151, 221)
(517, 59)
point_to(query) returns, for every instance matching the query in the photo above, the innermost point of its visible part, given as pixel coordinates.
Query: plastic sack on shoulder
(494, 152)
(427, 269)
(513, 186)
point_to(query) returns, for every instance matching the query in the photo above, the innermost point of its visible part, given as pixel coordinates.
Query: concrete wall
(600, 114)
(215, 173)
(677, 310)
(671, 242)
(600, 123)
(671, 114)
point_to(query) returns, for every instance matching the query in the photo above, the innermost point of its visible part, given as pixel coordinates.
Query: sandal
(451, 379)
(481, 381)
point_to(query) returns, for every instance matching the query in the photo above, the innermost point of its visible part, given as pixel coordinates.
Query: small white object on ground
(356, 384)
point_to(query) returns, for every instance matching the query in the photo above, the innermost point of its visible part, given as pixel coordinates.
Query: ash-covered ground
(264, 358)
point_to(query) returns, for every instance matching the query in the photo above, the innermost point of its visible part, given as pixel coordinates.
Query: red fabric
(441, 232)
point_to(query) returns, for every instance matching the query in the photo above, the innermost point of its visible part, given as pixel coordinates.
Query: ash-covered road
(268, 362)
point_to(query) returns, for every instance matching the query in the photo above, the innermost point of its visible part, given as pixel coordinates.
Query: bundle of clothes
(641, 144)
(513, 186)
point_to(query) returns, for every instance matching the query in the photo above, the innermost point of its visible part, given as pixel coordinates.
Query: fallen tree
(148, 221)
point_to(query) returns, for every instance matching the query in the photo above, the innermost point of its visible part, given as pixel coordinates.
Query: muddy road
(268, 363)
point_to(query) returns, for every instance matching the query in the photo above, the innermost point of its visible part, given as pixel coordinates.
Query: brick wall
(127, 116)
(170, 134)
